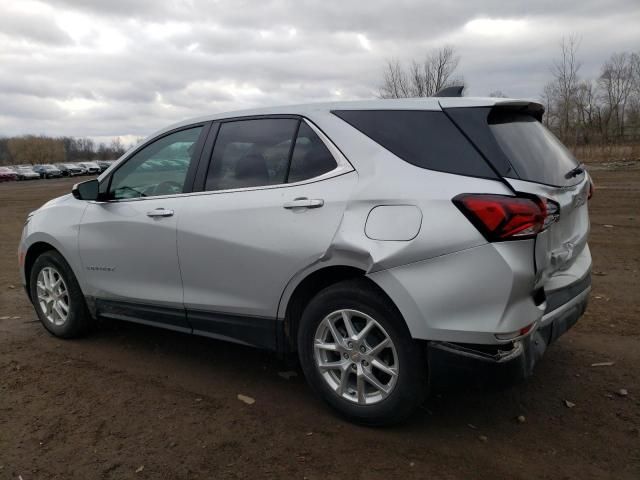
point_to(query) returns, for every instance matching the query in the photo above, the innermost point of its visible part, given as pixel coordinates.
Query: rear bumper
(515, 360)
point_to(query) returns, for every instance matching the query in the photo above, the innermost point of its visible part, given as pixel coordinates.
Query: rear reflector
(520, 333)
(501, 217)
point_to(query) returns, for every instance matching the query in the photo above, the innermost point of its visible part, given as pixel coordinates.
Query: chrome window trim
(342, 166)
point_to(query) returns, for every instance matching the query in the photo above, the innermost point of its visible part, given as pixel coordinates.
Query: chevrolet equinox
(363, 236)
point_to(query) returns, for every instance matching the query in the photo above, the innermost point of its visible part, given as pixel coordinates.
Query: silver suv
(368, 237)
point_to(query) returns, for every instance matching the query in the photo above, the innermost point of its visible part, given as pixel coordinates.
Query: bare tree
(589, 113)
(617, 83)
(420, 79)
(549, 97)
(116, 147)
(565, 74)
(395, 83)
(498, 94)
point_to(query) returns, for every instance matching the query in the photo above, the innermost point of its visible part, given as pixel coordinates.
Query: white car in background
(90, 168)
(26, 173)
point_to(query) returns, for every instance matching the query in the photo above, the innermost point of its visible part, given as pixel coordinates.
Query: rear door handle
(304, 202)
(160, 212)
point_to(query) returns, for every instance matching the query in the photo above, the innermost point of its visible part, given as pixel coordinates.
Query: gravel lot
(137, 402)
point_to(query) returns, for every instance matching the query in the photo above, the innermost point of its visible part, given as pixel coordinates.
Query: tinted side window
(251, 153)
(311, 158)
(425, 139)
(160, 168)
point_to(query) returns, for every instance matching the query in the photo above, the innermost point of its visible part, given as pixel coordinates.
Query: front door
(128, 243)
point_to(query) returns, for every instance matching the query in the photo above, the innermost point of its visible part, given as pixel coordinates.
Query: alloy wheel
(53, 296)
(356, 357)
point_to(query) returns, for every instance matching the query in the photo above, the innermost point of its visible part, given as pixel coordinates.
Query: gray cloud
(32, 27)
(106, 68)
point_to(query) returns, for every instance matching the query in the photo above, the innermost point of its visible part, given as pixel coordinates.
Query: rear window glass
(534, 152)
(426, 139)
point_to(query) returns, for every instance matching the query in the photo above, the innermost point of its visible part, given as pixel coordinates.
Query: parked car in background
(7, 175)
(26, 173)
(70, 169)
(90, 168)
(379, 240)
(47, 171)
(104, 164)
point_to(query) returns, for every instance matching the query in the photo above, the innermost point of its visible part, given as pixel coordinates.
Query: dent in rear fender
(384, 179)
(466, 296)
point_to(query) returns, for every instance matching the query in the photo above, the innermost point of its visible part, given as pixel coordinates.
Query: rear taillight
(592, 188)
(500, 217)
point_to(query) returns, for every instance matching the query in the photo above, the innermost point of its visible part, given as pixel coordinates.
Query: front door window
(158, 169)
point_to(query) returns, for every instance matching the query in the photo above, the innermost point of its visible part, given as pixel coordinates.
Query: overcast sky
(105, 68)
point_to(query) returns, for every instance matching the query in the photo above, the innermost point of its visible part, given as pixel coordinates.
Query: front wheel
(358, 355)
(57, 297)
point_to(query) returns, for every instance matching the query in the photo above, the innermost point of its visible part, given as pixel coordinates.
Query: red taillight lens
(592, 188)
(500, 217)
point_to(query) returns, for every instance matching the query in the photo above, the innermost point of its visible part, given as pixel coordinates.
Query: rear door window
(251, 153)
(426, 139)
(261, 152)
(311, 158)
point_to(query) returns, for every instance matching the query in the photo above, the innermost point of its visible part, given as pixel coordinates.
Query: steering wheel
(168, 187)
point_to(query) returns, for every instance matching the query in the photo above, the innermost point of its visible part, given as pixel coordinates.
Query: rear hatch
(533, 161)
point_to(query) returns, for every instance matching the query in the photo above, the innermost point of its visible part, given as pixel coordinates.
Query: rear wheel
(358, 355)
(57, 297)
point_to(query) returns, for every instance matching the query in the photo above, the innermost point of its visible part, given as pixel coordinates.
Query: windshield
(534, 152)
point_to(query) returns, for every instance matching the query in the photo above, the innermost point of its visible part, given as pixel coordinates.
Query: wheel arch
(309, 286)
(33, 252)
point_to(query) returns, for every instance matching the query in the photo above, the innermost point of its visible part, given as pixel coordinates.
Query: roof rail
(452, 91)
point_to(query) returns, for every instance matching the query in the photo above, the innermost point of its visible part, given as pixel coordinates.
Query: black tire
(411, 384)
(79, 320)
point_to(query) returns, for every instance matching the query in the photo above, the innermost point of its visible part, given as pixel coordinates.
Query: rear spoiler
(529, 107)
(453, 91)
(534, 109)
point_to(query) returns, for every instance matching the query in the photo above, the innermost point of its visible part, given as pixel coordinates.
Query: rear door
(272, 200)
(533, 161)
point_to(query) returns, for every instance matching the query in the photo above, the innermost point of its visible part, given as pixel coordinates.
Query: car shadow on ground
(204, 363)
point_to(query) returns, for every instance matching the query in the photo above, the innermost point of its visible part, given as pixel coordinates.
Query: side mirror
(89, 190)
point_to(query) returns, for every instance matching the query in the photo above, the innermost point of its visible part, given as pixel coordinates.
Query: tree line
(581, 111)
(33, 149)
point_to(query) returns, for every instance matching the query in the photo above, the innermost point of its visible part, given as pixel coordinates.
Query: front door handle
(304, 202)
(160, 212)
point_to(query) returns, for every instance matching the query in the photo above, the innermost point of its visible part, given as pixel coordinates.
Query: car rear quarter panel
(384, 179)
(448, 281)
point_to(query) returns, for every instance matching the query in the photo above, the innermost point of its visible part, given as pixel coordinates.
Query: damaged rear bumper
(515, 360)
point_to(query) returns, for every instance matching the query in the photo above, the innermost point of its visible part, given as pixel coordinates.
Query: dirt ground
(138, 402)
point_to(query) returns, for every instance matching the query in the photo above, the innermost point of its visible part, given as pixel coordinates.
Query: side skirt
(259, 332)
(253, 331)
(157, 316)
